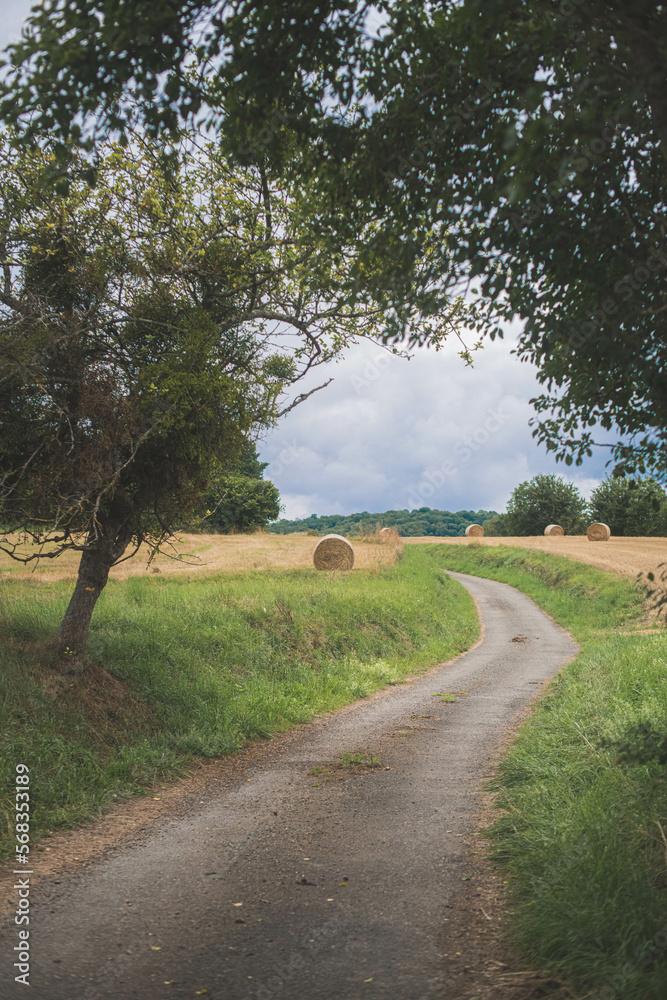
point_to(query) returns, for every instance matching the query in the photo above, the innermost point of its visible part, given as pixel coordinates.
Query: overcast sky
(393, 434)
(389, 434)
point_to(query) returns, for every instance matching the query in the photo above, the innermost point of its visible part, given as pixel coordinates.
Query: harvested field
(205, 555)
(209, 554)
(628, 556)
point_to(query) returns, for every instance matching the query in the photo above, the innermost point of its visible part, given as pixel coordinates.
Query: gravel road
(294, 885)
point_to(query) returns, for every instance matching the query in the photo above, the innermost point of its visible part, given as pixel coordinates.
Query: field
(264, 642)
(204, 555)
(629, 556)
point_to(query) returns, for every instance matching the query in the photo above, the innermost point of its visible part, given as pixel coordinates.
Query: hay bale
(553, 529)
(598, 532)
(333, 552)
(388, 536)
(474, 531)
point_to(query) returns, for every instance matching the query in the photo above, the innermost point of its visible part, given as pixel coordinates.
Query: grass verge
(584, 787)
(197, 667)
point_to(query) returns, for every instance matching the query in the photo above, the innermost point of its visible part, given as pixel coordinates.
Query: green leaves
(545, 499)
(148, 324)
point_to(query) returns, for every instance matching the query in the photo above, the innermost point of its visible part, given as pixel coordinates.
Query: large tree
(518, 145)
(147, 324)
(630, 506)
(543, 500)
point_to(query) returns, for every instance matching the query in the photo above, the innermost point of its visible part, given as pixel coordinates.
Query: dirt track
(292, 884)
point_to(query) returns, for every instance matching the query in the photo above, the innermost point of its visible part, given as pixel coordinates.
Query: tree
(247, 463)
(520, 145)
(497, 527)
(238, 498)
(240, 503)
(630, 506)
(147, 324)
(543, 500)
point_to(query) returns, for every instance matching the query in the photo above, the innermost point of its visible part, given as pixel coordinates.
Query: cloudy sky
(393, 434)
(428, 432)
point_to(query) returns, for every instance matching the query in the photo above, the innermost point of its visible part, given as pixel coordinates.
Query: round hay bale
(333, 552)
(598, 532)
(474, 531)
(553, 529)
(388, 536)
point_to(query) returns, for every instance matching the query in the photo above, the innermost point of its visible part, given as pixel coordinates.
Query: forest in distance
(630, 507)
(410, 523)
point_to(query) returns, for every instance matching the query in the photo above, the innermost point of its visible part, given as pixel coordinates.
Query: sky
(392, 434)
(14, 12)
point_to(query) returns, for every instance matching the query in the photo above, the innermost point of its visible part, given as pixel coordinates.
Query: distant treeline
(424, 521)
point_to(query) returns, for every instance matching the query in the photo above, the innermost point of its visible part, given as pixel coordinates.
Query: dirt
(481, 964)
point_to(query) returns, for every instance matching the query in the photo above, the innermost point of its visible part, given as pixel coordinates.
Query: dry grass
(206, 555)
(381, 536)
(628, 556)
(209, 554)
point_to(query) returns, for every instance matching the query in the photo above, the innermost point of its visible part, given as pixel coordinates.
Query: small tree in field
(240, 503)
(146, 325)
(543, 500)
(238, 498)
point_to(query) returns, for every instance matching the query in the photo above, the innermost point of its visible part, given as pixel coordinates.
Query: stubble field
(204, 555)
(628, 556)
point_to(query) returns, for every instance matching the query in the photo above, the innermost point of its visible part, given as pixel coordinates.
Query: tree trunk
(96, 561)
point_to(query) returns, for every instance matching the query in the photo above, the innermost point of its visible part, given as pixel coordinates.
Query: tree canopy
(411, 523)
(147, 324)
(520, 148)
(540, 501)
(237, 497)
(630, 506)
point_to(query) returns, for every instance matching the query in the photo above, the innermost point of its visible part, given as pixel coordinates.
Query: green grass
(584, 787)
(199, 667)
(359, 759)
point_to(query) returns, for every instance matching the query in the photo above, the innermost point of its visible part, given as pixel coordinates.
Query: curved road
(343, 875)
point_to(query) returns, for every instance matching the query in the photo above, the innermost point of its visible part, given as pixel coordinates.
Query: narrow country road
(343, 875)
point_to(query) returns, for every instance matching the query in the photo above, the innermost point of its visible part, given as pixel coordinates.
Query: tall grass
(198, 666)
(584, 787)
